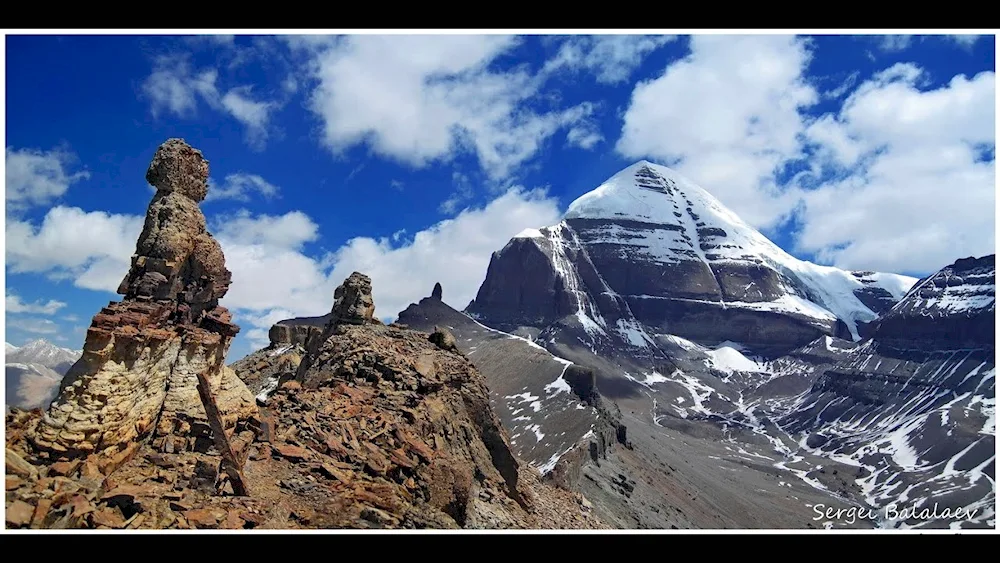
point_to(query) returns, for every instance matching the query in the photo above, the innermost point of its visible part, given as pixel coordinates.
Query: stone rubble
(378, 427)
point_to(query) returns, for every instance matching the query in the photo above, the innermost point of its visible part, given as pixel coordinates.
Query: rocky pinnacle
(139, 371)
(176, 259)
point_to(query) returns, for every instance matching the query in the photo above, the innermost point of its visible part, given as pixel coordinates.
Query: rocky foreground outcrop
(138, 372)
(378, 427)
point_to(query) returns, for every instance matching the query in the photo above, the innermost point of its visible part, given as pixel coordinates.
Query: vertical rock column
(138, 372)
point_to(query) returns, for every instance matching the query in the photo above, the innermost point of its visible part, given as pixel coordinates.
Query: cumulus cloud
(92, 248)
(239, 187)
(611, 58)
(727, 116)
(422, 99)
(965, 41)
(899, 178)
(911, 188)
(894, 43)
(175, 87)
(35, 177)
(14, 304)
(253, 114)
(274, 277)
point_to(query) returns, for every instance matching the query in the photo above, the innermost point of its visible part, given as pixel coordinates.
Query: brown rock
(337, 474)
(177, 166)
(40, 512)
(64, 468)
(399, 457)
(205, 517)
(12, 482)
(80, 505)
(142, 354)
(109, 517)
(292, 453)
(19, 513)
(16, 465)
(179, 506)
(233, 521)
(89, 470)
(444, 339)
(353, 302)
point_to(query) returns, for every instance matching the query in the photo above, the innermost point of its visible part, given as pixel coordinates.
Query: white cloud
(912, 191)
(611, 58)
(174, 87)
(274, 279)
(93, 248)
(965, 41)
(727, 116)
(584, 137)
(291, 230)
(34, 326)
(422, 99)
(35, 177)
(239, 187)
(894, 43)
(463, 193)
(254, 115)
(14, 304)
(900, 178)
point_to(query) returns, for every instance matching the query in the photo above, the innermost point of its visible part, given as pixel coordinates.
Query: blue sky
(412, 158)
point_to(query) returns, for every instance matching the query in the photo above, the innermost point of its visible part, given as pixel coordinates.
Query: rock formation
(137, 375)
(649, 252)
(382, 429)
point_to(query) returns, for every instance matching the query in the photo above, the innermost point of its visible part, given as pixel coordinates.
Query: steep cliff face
(138, 372)
(915, 405)
(649, 252)
(954, 308)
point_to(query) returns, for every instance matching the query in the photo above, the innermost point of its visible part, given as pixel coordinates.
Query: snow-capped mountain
(34, 372)
(649, 252)
(42, 352)
(868, 388)
(915, 406)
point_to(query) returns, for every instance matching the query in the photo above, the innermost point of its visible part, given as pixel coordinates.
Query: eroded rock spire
(138, 372)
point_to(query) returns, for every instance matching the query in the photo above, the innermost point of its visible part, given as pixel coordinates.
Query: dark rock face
(910, 403)
(436, 293)
(954, 308)
(650, 253)
(298, 330)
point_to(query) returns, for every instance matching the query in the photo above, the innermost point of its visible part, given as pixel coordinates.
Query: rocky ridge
(379, 427)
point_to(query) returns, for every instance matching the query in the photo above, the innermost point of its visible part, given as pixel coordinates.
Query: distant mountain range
(34, 372)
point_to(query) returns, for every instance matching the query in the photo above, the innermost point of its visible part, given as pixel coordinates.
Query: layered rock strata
(138, 373)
